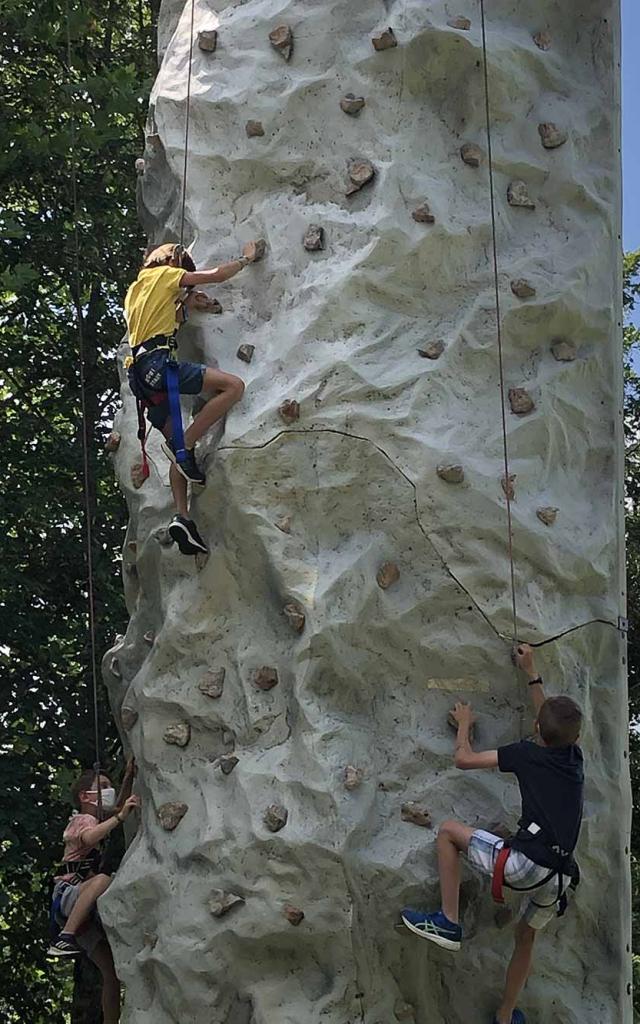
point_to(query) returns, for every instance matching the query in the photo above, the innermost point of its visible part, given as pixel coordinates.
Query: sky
(630, 128)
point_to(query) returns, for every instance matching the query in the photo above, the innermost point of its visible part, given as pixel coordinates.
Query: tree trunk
(87, 990)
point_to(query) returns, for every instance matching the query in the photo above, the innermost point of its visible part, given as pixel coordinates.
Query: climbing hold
(509, 488)
(221, 902)
(454, 725)
(227, 762)
(245, 352)
(460, 22)
(415, 814)
(131, 569)
(403, 1011)
(259, 249)
(433, 350)
(212, 683)
(423, 215)
(114, 668)
(542, 40)
(547, 514)
(450, 472)
(208, 39)
(551, 136)
(178, 734)
(113, 442)
(284, 524)
(265, 678)
(522, 288)
(293, 915)
(281, 38)
(163, 537)
(275, 817)
(149, 637)
(204, 304)
(254, 129)
(295, 616)
(518, 195)
(471, 154)
(289, 410)
(384, 40)
(313, 240)
(228, 736)
(387, 575)
(352, 104)
(562, 350)
(139, 166)
(138, 475)
(520, 401)
(133, 547)
(352, 777)
(128, 717)
(171, 814)
(361, 172)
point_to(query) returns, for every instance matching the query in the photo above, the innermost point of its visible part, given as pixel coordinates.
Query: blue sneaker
(517, 1017)
(435, 927)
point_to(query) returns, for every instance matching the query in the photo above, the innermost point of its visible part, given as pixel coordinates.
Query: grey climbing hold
(361, 173)
(423, 215)
(204, 304)
(163, 537)
(352, 104)
(520, 401)
(281, 38)
(254, 129)
(294, 915)
(433, 350)
(177, 734)
(547, 514)
(471, 154)
(551, 136)
(139, 165)
(171, 814)
(518, 195)
(295, 616)
(289, 411)
(260, 245)
(114, 668)
(403, 1011)
(245, 353)
(128, 717)
(450, 472)
(384, 40)
(137, 475)
(284, 524)
(275, 817)
(522, 288)
(415, 814)
(221, 902)
(387, 575)
(509, 487)
(226, 763)
(113, 442)
(149, 637)
(265, 678)
(542, 40)
(562, 350)
(212, 683)
(353, 777)
(208, 40)
(460, 22)
(313, 240)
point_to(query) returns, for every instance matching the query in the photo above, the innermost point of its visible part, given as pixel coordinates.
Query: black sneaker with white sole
(65, 945)
(185, 533)
(189, 467)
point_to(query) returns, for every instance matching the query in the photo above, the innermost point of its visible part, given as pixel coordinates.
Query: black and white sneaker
(185, 533)
(189, 467)
(65, 945)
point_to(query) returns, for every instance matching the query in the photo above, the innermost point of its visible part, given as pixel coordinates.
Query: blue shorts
(151, 374)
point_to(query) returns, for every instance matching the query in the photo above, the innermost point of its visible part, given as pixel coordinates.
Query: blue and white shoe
(517, 1017)
(435, 927)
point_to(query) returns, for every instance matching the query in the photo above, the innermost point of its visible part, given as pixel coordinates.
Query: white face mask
(107, 796)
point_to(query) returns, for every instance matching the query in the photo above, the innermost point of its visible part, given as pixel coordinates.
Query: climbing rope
(496, 283)
(186, 128)
(91, 611)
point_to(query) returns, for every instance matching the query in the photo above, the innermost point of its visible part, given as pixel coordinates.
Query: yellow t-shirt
(150, 303)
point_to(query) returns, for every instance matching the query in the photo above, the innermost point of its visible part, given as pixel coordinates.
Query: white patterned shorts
(541, 904)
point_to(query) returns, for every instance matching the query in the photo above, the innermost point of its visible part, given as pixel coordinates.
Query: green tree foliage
(97, 106)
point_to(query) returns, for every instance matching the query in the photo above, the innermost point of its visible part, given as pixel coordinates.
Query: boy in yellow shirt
(152, 309)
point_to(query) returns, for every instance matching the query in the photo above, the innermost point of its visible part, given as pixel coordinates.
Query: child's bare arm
(90, 837)
(466, 757)
(525, 660)
(216, 275)
(127, 783)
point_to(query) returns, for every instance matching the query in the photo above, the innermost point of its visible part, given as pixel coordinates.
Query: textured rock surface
(369, 681)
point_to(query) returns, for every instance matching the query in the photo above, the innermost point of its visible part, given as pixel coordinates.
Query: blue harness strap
(173, 390)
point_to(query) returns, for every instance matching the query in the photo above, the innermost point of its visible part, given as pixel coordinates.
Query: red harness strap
(497, 880)
(141, 405)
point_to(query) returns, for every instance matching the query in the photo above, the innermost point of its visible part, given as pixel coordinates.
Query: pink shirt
(74, 848)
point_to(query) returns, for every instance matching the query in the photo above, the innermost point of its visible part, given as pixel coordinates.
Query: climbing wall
(287, 697)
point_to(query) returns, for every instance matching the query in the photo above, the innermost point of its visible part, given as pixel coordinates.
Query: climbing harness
(561, 865)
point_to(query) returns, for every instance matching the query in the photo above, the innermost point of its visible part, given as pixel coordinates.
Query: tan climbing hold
(203, 303)
(450, 472)
(460, 22)
(289, 411)
(294, 915)
(542, 40)
(265, 678)
(221, 902)
(433, 350)
(208, 40)
(352, 104)
(138, 475)
(522, 288)
(313, 240)
(139, 166)
(178, 734)
(295, 616)
(281, 38)
(171, 814)
(387, 575)
(509, 487)
(113, 442)
(361, 173)
(275, 817)
(551, 136)
(518, 195)
(226, 763)
(254, 129)
(384, 40)
(423, 215)
(245, 353)
(128, 717)
(353, 777)
(562, 350)
(547, 514)
(415, 814)
(284, 524)
(471, 154)
(403, 1011)
(212, 683)
(255, 250)
(521, 401)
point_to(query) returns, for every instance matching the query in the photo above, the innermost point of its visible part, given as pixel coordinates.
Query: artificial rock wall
(287, 697)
